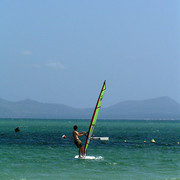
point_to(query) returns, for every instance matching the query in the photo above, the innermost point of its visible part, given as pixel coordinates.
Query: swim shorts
(78, 143)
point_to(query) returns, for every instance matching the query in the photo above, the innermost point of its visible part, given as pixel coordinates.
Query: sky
(60, 51)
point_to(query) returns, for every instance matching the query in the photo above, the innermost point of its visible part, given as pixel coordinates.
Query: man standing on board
(77, 141)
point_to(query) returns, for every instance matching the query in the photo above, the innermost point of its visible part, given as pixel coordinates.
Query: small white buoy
(125, 141)
(144, 141)
(64, 136)
(153, 141)
(177, 142)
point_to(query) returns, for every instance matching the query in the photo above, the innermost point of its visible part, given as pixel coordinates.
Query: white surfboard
(86, 157)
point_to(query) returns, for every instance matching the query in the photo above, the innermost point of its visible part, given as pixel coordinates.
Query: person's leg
(79, 152)
(82, 150)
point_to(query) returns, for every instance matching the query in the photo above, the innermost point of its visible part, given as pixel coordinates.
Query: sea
(38, 151)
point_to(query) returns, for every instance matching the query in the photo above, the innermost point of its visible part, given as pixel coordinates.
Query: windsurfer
(77, 141)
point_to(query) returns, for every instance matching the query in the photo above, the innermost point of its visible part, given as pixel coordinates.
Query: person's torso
(75, 135)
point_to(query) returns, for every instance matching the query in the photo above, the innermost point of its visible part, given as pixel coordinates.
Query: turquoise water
(39, 152)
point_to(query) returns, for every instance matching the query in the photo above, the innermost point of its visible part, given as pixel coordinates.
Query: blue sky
(61, 51)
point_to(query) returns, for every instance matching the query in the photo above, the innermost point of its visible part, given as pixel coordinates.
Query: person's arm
(81, 133)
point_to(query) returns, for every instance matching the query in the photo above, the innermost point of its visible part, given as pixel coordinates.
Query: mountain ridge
(163, 108)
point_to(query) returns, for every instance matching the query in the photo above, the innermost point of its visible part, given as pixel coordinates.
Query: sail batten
(94, 117)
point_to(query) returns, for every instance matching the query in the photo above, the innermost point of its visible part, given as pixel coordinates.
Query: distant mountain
(158, 108)
(33, 109)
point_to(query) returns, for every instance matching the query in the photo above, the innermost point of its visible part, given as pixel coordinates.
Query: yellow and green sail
(94, 117)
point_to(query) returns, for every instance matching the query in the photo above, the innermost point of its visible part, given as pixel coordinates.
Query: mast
(95, 115)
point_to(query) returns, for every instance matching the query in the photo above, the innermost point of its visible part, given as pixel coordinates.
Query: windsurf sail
(94, 117)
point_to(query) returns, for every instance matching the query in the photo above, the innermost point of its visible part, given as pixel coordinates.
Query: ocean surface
(38, 151)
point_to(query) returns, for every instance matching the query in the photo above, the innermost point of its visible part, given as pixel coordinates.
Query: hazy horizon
(93, 105)
(62, 51)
